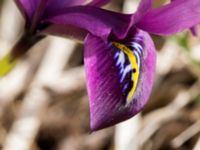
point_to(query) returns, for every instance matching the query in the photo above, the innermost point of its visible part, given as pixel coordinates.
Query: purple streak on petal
(95, 20)
(99, 2)
(144, 7)
(171, 18)
(107, 103)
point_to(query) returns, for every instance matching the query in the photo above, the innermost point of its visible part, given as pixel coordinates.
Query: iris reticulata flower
(119, 54)
(120, 71)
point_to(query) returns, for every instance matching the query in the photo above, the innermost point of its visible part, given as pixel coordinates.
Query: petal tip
(97, 123)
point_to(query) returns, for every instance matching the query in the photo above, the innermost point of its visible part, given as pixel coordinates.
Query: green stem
(24, 44)
(9, 61)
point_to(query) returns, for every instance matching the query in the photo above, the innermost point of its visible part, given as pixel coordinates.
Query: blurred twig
(25, 128)
(186, 135)
(21, 77)
(69, 82)
(154, 120)
(197, 146)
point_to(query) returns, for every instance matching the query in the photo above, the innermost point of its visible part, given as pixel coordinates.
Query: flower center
(128, 60)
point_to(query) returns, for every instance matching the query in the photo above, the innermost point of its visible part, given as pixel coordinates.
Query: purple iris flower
(119, 54)
(120, 71)
(36, 12)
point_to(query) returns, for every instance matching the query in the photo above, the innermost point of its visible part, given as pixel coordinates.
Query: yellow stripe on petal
(6, 65)
(134, 65)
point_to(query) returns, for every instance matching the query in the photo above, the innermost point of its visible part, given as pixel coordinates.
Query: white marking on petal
(126, 70)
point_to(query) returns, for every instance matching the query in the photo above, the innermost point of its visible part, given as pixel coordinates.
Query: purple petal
(38, 14)
(144, 7)
(97, 21)
(192, 29)
(54, 5)
(171, 18)
(27, 7)
(64, 3)
(99, 2)
(108, 88)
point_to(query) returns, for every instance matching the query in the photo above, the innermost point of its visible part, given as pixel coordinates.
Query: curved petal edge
(107, 94)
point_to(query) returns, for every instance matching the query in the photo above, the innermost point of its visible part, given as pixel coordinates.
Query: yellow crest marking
(134, 65)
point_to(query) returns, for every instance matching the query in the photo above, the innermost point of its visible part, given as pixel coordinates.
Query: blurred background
(44, 103)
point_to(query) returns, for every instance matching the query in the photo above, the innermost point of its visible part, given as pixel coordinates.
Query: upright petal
(27, 7)
(119, 77)
(30, 7)
(171, 18)
(38, 14)
(97, 21)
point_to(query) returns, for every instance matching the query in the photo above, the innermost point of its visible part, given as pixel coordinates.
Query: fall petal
(119, 77)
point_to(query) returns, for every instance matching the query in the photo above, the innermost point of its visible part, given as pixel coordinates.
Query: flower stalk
(24, 44)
